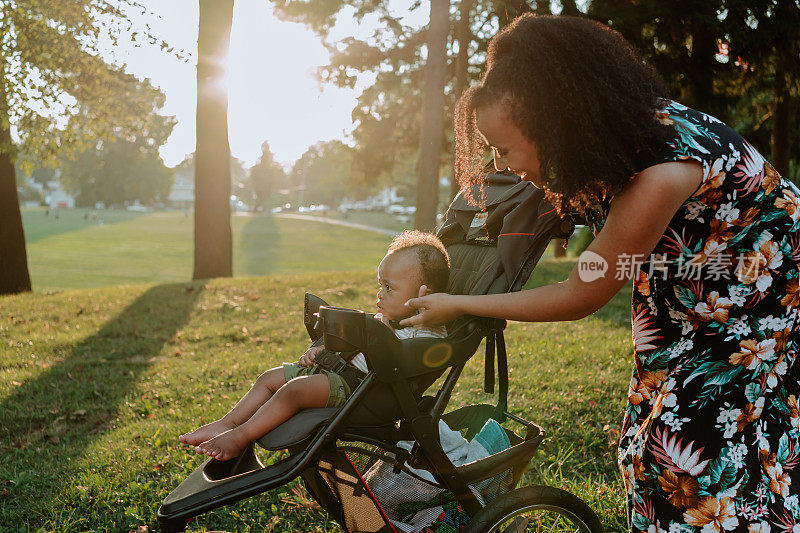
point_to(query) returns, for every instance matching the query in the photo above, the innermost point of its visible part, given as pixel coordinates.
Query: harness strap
(502, 374)
(488, 371)
(335, 362)
(496, 347)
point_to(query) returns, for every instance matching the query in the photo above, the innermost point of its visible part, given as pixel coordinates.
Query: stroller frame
(398, 370)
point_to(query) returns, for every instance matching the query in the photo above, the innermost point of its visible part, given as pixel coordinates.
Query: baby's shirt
(411, 332)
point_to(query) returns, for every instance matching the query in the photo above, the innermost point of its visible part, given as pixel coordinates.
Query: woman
(710, 436)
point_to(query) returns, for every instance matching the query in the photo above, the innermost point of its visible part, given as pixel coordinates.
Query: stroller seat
(495, 235)
(297, 429)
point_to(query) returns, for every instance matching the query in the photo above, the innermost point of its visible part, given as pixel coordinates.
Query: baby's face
(399, 279)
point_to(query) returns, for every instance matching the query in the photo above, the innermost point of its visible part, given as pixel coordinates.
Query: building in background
(53, 194)
(181, 196)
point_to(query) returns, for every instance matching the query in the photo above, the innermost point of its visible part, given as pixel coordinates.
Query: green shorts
(340, 386)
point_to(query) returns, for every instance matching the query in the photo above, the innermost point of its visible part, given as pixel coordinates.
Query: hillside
(96, 384)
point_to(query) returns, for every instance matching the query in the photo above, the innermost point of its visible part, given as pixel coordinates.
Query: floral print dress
(711, 434)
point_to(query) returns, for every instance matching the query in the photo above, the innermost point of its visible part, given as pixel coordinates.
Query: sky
(273, 94)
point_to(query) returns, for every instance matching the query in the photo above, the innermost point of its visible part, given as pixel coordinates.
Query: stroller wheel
(536, 508)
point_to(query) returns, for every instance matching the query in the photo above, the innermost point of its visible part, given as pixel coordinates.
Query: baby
(415, 265)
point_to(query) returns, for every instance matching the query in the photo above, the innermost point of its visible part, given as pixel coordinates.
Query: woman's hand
(433, 310)
(307, 359)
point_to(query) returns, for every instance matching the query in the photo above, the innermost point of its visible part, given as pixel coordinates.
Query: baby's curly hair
(580, 93)
(433, 259)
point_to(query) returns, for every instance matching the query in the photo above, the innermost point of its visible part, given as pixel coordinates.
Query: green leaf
(686, 296)
(640, 522)
(752, 391)
(781, 405)
(721, 472)
(722, 373)
(783, 448)
(707, 369)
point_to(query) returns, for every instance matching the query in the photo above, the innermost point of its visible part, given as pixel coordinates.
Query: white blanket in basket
(393, 490)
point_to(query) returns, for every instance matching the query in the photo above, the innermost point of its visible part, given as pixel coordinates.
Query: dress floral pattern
(711, 434)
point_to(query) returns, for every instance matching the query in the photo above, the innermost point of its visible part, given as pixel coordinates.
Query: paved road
(337, 222)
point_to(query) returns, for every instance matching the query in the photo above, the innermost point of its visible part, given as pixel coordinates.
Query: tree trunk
(463, 35)
(432, 130)
(213, 254)
(558, 248)
(701, 68)
(781, 111)
(14, 276)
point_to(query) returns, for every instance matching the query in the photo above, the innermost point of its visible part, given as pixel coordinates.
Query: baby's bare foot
(204, 433)
(224, 446)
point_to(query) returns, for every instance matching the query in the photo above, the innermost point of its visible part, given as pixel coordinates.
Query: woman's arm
(636, 221)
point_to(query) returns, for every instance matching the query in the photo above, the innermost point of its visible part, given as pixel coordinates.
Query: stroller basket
(366, 485)
(379, 463)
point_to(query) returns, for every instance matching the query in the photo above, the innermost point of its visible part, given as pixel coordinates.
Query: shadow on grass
(258, 242)
(39, 226)
(76, 399)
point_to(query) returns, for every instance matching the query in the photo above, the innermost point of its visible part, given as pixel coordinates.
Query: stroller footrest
(208, 487)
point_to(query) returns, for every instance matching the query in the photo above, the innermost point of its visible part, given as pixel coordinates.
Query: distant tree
(238, 172)
(240, 180)
(389, 113)
(117, 173)
(27, 192)
(43, 176)
(30, 167)
(239, 175)
(55, 92)
(431, 135)
(463, 38)
(213, 248)
(763, 41)
(734, 59)
(325, 173)
(265, 175)
(124, 168)
(680, 42)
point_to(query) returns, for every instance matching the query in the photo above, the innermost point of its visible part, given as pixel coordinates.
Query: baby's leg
(262, 390)
(302, 392)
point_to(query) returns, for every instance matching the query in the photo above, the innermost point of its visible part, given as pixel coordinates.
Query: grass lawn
(77, 252)
(96, 384)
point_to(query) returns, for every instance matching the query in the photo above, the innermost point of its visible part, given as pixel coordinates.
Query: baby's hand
(307, 359)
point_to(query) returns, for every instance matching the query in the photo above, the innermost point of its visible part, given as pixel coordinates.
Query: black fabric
(475, 269)
(352, 376)
(512, 223)
(502, 371)
(488, 371)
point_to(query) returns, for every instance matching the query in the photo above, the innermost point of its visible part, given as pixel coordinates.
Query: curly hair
(580, 93)
(434, 262)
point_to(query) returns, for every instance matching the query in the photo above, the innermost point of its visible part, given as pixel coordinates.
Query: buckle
(331, 361)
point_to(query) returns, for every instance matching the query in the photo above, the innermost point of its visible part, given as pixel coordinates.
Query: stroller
(384, 443)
